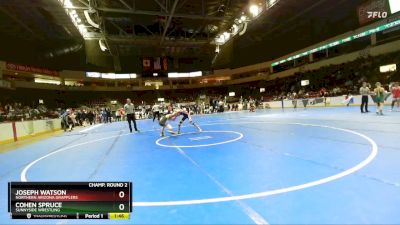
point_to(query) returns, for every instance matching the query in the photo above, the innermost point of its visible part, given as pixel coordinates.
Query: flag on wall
(157, 63)
(147, 64)
(176, 63)
(165, 63)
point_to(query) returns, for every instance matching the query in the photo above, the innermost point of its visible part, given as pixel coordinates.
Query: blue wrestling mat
(314, 166)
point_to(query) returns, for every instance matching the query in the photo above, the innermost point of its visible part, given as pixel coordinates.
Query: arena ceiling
(290, 26)
(40, 32)
(176, 28)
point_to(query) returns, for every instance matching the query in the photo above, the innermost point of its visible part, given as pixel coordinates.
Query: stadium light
(103, 47)
(240, 25)
(76, 20)
(111, 75)
(244, 29)
(47, 81)
(67, 3)
(185, 75)
(227, 36)
(217, 49)
(82, 29)
(93, 74)
(235, 29)
(271, 3)
(394, 6)
(305, 83)
(220, 39)
(254, 10)
(196, 74)
(388, 68)
(89, 19)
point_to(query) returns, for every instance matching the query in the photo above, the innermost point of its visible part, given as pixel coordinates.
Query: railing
(5, 84)
(320, 102)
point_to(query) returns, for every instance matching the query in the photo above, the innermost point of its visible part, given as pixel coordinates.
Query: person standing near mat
(252, 105)
(156, 112)
(364, 92)
(91, 117)
(130, 114)
(65, 120)
(379, 98)
(395, 89)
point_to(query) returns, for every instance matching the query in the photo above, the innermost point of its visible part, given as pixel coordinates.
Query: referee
(130, 114)
(156, 112)
(365, 92)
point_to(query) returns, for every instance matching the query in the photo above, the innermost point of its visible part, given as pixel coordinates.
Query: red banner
(31, 69)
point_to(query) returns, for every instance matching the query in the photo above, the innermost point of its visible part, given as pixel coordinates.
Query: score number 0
(121, 194)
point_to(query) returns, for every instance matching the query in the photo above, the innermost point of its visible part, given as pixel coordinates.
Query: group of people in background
(379, 96)
(71, 118)
(91, 115)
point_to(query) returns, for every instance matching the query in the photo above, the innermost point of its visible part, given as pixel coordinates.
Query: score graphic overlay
(70, 200)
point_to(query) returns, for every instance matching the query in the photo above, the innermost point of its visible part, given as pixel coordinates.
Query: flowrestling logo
(377, 15)
(372, 10)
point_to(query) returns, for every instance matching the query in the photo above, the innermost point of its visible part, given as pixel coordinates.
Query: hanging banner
(31, 69)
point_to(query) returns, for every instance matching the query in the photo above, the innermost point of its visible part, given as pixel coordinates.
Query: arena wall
(20, 130)
(329, 102)
(24, 129)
